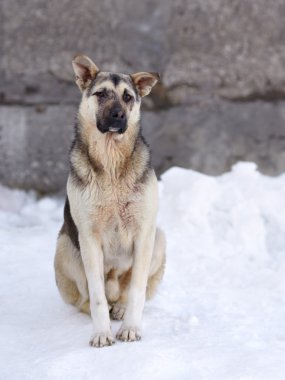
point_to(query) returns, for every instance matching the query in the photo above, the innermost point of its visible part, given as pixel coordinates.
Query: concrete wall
(221, 98)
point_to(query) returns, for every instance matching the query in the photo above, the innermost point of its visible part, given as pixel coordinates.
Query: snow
(219, 312)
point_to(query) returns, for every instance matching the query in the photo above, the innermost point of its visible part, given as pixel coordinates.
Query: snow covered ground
(219, 313)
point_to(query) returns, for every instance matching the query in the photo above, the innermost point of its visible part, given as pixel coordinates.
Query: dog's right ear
(85, 70)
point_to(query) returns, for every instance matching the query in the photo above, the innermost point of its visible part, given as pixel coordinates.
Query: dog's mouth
(105, 126)
(115, 130)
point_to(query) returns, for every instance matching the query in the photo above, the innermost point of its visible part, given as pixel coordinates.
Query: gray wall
(221, 98)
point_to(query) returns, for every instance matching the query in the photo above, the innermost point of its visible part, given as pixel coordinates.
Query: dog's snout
(118, 114)
(114, 119)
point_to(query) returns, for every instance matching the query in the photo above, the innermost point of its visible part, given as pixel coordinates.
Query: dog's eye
(127, 97)
(100, 94)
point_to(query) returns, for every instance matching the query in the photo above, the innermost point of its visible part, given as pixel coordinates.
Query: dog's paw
(102, 339)
(128, 334)
(117, 312)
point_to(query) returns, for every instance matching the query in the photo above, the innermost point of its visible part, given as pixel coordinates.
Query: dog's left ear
(85, 70)
(144, 82)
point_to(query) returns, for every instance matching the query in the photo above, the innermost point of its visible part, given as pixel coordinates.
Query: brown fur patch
(124, 281)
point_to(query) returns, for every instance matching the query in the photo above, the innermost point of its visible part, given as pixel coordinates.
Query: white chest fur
(113, 213)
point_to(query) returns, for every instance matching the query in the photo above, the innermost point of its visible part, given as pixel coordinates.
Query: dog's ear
(144, 82)
(85, 70)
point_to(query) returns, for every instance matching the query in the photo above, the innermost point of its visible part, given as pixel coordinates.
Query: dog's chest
(115, 217)
(115, 221)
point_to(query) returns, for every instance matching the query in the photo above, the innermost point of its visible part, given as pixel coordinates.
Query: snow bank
(219, 313)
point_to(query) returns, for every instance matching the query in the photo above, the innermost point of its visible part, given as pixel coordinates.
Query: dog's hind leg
(69, 274)
(118, 308)
(155, 276)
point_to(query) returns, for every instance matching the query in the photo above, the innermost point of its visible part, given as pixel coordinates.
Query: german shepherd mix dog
(110, 256)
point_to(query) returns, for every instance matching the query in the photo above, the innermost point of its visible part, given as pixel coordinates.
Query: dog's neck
(109, 151)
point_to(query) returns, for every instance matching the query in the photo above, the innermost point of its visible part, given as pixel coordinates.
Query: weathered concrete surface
(34, 141)
(221, 97)
(34, 144)
(212, 137)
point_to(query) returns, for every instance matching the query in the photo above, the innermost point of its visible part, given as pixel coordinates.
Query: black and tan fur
(110, 255)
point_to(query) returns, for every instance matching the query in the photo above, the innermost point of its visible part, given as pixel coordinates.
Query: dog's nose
(118, 114)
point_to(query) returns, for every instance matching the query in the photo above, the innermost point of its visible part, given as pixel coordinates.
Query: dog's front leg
(143, 251)
(92, 256)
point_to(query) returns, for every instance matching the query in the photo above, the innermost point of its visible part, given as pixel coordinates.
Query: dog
(110, 256)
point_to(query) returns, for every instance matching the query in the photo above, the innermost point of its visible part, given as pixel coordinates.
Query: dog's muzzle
(115, 122)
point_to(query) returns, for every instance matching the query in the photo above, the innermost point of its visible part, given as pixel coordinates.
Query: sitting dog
(110, 255)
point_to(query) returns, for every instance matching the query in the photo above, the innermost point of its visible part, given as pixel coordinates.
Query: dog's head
(111, 101)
